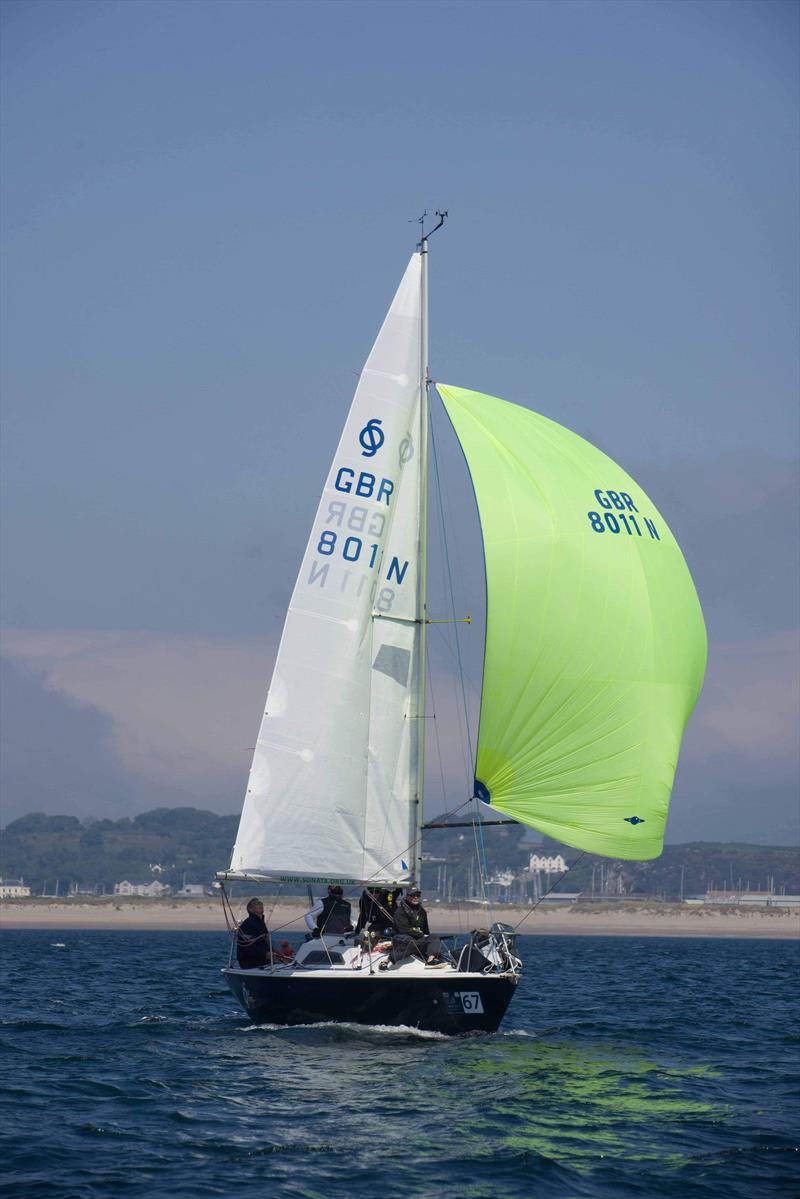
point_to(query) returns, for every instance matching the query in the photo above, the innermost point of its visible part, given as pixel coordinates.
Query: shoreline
(604, 920)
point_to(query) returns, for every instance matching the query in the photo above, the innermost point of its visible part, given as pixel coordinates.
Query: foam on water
(357, 1030)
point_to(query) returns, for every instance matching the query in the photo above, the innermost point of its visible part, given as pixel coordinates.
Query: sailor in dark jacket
(376, 910)
(252, 938)
(335, 915)
(412, 935)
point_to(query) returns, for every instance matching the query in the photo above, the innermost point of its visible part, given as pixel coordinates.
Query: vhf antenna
(420, 220)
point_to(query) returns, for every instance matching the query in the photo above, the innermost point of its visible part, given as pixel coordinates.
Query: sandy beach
(645, 920)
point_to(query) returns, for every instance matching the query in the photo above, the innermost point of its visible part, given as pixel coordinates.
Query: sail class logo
(371, 438)
(633, 819)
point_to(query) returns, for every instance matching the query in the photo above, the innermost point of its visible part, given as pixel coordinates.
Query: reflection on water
(573, 1101)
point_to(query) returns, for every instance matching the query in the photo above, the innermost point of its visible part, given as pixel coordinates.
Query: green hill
(181, 841)
(173, 844)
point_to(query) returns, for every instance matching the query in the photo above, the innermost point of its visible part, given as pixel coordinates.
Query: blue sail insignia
(371, 438)
(482, 792)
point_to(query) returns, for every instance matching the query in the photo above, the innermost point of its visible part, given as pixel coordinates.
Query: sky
(206, 210)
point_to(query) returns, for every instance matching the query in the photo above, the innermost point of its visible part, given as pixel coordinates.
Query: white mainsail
(334, 774)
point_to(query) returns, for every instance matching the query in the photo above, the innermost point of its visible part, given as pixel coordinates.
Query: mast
(418, 803)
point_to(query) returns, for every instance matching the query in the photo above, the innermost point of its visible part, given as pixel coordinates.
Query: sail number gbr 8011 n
(619, 515)
(353, 533)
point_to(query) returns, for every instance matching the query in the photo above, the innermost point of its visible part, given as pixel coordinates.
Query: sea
(625, 1067)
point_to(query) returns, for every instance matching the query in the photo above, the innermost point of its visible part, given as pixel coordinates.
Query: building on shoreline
(13, 888)
(152, 889)
(764, 899)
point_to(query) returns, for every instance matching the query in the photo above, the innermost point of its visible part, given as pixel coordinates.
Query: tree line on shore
(177, 845)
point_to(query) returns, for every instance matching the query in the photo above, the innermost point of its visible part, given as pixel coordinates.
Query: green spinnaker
(595, 641)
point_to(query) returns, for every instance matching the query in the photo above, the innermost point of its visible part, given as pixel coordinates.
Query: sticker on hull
(465, 1001)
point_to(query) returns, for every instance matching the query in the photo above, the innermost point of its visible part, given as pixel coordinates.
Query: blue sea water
(625, 1067)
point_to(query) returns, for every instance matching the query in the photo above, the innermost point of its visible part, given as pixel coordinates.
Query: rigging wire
(368, 882)
(560, 878)
(437, 739)
(233, 924)
(275, 900)
(483, 860)
(450, 588)
(480, 844)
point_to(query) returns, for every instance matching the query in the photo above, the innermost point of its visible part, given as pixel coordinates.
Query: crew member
(335, 915)
(376, 910)
(311, 918)
(412, 936)
(252, 938)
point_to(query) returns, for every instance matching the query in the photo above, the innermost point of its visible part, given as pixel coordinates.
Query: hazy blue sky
(205, 214)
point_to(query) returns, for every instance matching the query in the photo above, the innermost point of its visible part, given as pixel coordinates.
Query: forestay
(595, 642)
(333, 778)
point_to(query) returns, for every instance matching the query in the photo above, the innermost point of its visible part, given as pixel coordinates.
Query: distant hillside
(181, 841)
(176, 843)
(689, 869)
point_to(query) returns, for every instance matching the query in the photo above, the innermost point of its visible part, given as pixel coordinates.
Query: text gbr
(619, 515)
(354, 533)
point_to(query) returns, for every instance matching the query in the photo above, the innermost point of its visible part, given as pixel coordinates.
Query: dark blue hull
(453, 1004)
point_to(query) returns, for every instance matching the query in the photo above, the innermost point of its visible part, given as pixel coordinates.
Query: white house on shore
(13, 888)
(151, 890)
(553, 864)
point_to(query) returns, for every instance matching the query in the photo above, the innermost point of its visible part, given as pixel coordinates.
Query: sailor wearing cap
(413, 937)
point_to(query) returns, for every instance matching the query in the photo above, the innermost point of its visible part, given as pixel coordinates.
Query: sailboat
(595, 651)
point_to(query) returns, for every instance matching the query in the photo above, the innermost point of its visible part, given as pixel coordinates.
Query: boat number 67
(470, 1001)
